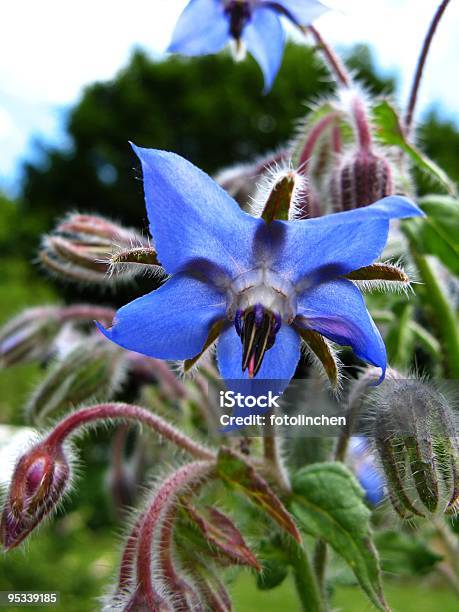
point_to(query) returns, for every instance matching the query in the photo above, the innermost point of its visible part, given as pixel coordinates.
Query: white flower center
(261, 286)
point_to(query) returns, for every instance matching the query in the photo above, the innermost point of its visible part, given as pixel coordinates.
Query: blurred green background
(212, 112)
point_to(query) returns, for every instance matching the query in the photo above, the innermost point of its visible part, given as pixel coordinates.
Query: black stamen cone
(259, 328)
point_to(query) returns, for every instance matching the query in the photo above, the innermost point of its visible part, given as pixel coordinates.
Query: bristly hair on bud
(239, 180)
(89, 249)
(280, 194)
(362, 173)
(29, 336)
(92, 369)
(34, 334)
(384, 277)
(414, 427)
(41, 478)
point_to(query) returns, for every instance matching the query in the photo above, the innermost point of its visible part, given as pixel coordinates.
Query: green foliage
(438, 233)
(390, 132)
(211, 111)
(329, 504)
(241, 475)
(401, 554)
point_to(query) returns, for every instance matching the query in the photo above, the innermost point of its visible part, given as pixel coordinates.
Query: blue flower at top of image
(249, 284)
(206, 26)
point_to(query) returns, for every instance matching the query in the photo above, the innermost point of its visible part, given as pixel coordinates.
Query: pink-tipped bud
(361, 178)
(40, 478)
(82, 248)
(29, 336)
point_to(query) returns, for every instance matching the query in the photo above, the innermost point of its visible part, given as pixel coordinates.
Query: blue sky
(50, 49)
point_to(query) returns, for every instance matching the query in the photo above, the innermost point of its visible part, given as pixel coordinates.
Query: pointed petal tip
(402, 207)
(103, 330)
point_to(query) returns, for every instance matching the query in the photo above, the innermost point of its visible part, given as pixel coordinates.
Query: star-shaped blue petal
(222, 261)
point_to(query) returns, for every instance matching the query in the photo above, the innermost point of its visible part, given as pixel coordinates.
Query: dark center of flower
(257, 328)
(239, 13)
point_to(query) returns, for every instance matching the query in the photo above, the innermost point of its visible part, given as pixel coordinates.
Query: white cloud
(51, 49)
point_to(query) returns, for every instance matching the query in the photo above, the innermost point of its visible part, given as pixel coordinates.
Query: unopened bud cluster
(360, 178)
(91, 249)
(417, 443)
(35, 333)
(92, 369)
(334, 151)
(29, 336)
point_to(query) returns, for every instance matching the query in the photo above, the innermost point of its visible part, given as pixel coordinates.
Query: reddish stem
(102, 412)
(160, 371)
(87, 312)
(176, 584)
(333, 60)
(313, 137)
(185, 476)
(421, 64)
(126, 573)
(362, 124)
(337, 142)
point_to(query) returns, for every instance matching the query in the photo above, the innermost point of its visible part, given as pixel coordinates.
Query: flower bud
(280, 194)
(362, 175)
(87, 248)
(40, 478)
(417, 443)
(93, 369)
(29, 336)
(361, 178)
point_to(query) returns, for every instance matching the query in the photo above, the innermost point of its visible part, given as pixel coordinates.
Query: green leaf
(405, 555)
(240, 474)
(329, 504)
(220, 531)
(390, 132)
(273, 574)
(438, 233)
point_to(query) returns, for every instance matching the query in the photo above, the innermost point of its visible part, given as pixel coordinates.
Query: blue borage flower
(206, 26)
(252, 286)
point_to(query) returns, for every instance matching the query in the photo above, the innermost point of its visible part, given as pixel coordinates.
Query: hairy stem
(320, 563)
(313, 136)
(421, 64)
(102, 412)
(353, 411)
(449, 541)
(337, 67)
(273, 460)
(362, 124)
(186, 476)
(87, 312)
(305, 581)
